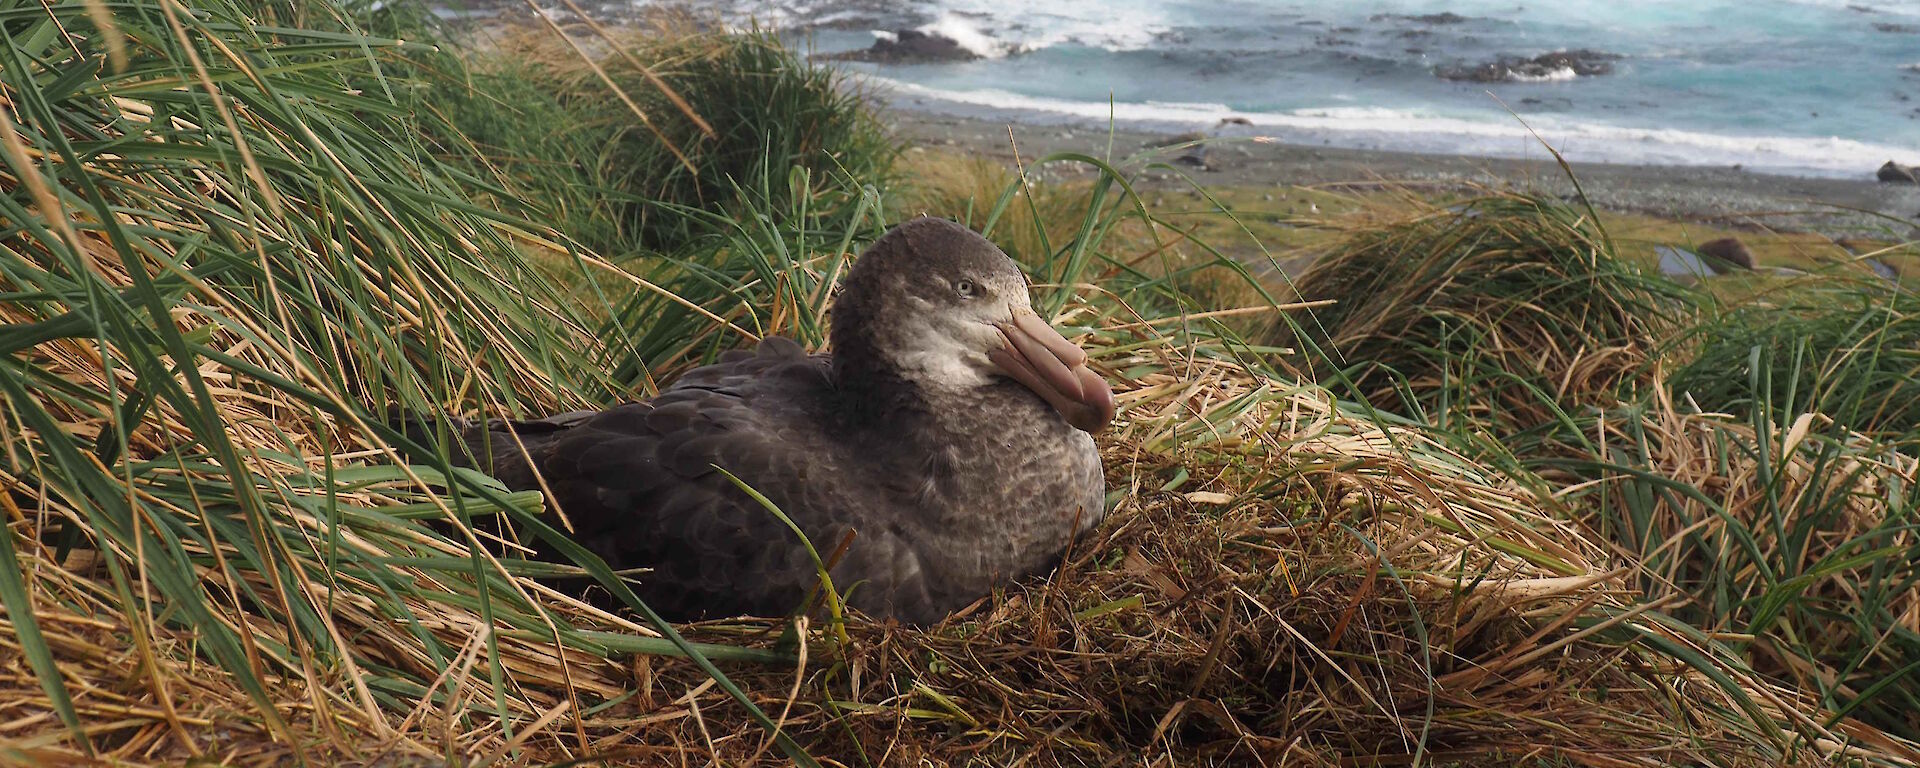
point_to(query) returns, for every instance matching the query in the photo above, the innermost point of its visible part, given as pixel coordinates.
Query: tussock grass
(769, 132)
(226, 261)
(1846, 349)
(1506, 311)
(220, 269)
(1795, 540)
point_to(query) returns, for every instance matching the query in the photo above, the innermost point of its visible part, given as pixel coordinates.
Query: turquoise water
(1814, 87)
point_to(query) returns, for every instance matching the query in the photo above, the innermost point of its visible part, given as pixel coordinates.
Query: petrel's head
(945, 309)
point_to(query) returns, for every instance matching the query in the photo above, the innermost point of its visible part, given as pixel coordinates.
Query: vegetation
(1848, 350)
(617, 147)
(1508, 500)
(1499, 311)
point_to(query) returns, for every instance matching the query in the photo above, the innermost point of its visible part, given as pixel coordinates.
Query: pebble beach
(1690, 193)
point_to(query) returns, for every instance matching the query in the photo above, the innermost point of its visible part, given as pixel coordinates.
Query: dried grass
(1319, 590)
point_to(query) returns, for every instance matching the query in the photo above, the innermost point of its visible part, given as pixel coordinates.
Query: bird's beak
(1038, 356)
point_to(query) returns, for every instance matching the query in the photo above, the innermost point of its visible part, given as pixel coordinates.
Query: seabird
(949, 433)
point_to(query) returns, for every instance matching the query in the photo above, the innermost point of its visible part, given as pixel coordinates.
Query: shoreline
(1727, 196)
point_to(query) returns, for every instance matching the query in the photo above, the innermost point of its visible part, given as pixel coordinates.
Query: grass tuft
(1846, 349)
(1504, 311)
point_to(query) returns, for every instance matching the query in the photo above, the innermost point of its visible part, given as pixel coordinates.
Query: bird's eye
(965, 288)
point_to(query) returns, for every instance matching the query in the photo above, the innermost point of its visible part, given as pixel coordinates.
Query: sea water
(1812, 87)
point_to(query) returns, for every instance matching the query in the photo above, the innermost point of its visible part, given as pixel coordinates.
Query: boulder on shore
(1856, 246)
(1179, 138)
(1895, 173)
(1727, 251)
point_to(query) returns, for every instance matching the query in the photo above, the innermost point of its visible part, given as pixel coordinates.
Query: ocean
(1804, 87)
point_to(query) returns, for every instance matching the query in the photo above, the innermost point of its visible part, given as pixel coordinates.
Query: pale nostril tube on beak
(1038, 356)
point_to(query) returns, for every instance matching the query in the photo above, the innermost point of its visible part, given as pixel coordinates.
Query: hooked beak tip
(1037, 356)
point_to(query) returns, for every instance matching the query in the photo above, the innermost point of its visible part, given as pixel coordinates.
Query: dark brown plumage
(938, 431)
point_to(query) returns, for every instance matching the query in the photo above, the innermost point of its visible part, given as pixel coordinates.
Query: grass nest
(1317, 591)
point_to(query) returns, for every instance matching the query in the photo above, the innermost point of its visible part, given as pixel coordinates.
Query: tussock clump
(220, 269)
(1794, 539)
(1499, 311)
(769, 133)
(1849, 350)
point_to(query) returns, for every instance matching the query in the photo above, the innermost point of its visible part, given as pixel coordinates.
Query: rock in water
(1444, 17)
(908, 46)
(1727, 251)
(1895, 173)
(1558, 65)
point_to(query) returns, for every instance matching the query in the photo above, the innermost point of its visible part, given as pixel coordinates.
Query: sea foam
(1563, 73)
(1029, 25)
(968, 36)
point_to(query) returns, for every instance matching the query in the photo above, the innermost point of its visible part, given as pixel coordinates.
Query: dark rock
(909, 46)
(1582, 62)
(1895, 173)
(1896, 29)
(1727, 251)
(1551, 102)
(1447, 17)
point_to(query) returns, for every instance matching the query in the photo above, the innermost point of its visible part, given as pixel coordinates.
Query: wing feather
(638, 484)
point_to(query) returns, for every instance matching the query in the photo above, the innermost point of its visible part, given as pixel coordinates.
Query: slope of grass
(1795, 540)
(224, 262)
